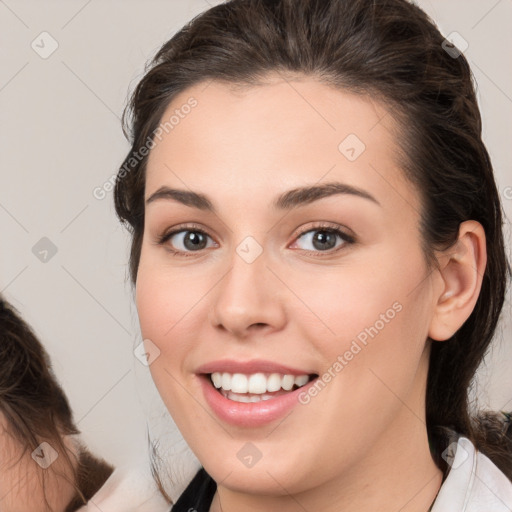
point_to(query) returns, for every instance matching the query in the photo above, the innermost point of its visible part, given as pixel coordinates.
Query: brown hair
(389, 49)
(35, 406)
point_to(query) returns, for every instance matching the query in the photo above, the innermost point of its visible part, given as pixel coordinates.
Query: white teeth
(245, 398)
(257, 383)
(300, 381)
(217, 379)
(226, 381)
(274, 382)
(238, 383)
(288, 382)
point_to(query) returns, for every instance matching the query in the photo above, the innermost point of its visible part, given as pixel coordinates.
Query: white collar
(129, 488)
(474, 483)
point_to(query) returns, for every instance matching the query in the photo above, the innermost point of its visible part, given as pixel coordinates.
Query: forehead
(285, 132)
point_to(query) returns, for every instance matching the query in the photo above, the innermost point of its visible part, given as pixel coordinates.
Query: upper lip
(250, 367)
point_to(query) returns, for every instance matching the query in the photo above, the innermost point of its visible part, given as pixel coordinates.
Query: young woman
(43, 465)
(318, 258)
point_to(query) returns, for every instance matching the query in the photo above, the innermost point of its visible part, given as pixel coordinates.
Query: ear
(462, 267)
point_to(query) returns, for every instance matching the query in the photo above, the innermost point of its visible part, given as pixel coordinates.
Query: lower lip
(252, 414)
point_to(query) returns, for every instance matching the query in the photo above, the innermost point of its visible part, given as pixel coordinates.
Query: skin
(361, 443)
(21, 477)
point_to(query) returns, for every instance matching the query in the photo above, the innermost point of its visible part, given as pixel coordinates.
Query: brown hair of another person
(35, 406)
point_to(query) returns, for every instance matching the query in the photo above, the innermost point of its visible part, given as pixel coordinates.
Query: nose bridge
(247, 294)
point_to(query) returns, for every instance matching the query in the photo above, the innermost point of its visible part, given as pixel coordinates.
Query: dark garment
(198, 496)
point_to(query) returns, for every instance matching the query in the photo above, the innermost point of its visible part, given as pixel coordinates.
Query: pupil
(193, 240)
(324, 240)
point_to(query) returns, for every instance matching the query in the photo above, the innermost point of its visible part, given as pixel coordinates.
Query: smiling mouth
(256, 387)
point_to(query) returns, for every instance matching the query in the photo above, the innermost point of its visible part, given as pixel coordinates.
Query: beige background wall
(61, 138)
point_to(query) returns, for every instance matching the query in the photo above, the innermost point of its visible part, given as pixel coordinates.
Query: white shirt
(474, 483)
(129, 488)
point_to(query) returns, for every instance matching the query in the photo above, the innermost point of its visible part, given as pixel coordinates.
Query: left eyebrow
(304, 195)
(293, 198)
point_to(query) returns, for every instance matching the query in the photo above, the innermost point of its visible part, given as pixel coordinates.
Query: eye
(186, 240)
(323, 239)
(181, 241)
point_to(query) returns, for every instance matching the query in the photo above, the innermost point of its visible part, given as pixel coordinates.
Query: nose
(249, 299)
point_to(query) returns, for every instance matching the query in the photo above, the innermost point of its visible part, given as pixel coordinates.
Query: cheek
(165, 300)
(171, 316)
(370, 325)
(340, 303)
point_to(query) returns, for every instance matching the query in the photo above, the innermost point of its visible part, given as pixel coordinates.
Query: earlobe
(461, 268)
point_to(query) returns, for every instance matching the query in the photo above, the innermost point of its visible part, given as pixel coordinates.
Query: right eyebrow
(186, 197)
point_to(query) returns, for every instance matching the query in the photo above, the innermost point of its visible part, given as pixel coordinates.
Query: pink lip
(253, 414)
(248, 367)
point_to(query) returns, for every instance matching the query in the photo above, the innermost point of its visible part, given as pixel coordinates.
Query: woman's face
(298, 256)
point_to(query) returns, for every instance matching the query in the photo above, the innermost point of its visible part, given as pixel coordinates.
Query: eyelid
(162, 239)
(328, 226)
(338, 229)
(189, 226)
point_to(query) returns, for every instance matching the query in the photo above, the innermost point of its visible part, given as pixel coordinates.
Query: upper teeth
(257, 383)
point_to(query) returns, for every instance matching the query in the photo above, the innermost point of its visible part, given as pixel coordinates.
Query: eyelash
(329, 228)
